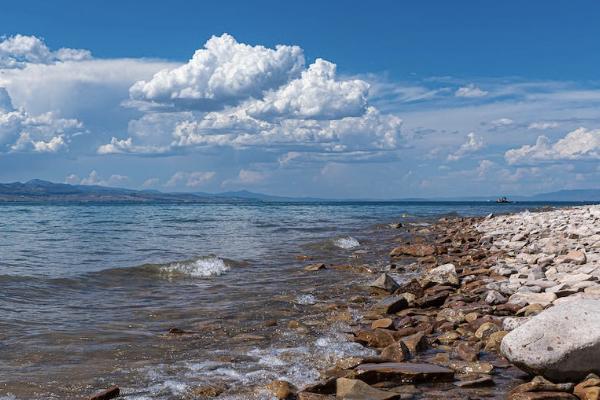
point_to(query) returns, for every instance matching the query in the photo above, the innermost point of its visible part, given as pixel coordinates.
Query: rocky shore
(497, 307)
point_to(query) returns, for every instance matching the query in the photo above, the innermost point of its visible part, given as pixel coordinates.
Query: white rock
(532, 298)
(561, 343)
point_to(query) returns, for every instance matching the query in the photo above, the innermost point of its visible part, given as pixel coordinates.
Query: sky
(379, 99)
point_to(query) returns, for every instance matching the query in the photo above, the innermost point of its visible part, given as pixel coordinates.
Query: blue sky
(380, 99)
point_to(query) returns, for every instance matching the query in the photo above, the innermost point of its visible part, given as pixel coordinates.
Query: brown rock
(415, 343)
(396, 352)
(403, 373)
(466, 352)
(540, 384)
(327, 386)
(110, 393)
(485, 330)
(354, 389)
(391, 305)
(414, 250)
(448, 337)
(589, 389)
(281, 389)
(382, 323)
(494, 341)
(464, 367)
(412, 287)
(433, 300)
(375, 337)
(541, 396)
(315, 267)
(314, 396)
(475, 381)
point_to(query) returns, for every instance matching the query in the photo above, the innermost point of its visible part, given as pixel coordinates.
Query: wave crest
(200, 268)
(347, 242)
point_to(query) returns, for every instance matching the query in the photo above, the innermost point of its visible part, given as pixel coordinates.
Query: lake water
(89, 292)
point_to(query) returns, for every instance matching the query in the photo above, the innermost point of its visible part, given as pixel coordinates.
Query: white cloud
(19, 50)
(223, 73)
(470, 91)
(472, 144)
(20, 131)
(542, 125)
(190, 179)
(372, 131)
(124, 146)
(580, 144)
(316, 94)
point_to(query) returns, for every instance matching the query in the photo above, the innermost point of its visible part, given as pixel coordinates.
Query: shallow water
(89, 292)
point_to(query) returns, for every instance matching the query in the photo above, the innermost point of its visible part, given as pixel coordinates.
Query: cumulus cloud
(20, 131)
(316, 94)
(222, 73)
(19, 50)
(470, 91)
(580, 144)
(190, 179)
(238, 95)
(472, 144)
(372, 131)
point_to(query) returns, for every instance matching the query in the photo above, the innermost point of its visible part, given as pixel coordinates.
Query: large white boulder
(561, 343)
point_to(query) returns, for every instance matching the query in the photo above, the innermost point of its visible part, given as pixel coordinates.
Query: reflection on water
(88, 293)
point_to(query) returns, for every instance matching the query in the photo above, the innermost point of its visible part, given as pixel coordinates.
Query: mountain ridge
(37, 190)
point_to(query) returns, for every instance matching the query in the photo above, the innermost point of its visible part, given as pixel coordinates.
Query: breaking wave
(347, 242)
(200, 268)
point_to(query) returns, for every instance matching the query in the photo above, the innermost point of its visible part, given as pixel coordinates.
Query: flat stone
(414, 250)
(315, 267)
(561, 343)
(542, 396)
(354, 389)
(391, 305)
(532, 298)
(382, 323)
(403, 373)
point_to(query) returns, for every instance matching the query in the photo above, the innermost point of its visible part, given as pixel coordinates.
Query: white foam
(200, 268)
(347, 242)
(306, 299)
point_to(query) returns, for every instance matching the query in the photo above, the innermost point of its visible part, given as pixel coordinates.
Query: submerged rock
(403, 373)
(561, 343)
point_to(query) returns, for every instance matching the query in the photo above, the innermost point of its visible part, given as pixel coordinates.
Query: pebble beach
(500, 307)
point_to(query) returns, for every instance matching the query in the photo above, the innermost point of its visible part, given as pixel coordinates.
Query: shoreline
(442, 331)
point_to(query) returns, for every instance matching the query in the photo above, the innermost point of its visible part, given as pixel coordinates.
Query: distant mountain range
(37, 190)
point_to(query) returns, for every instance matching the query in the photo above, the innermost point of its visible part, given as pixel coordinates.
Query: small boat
(503, 200)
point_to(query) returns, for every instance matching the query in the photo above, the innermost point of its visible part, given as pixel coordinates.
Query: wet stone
(391, 305)
(403, 373)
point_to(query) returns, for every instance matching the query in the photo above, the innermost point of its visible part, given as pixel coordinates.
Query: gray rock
(386, 283)
(562, 343)
(493, 298)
